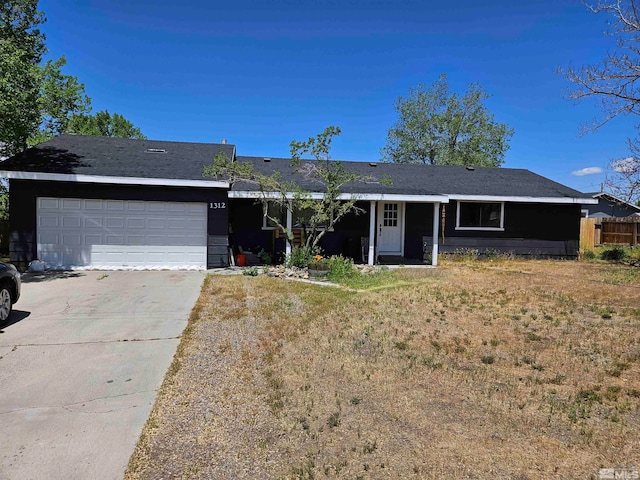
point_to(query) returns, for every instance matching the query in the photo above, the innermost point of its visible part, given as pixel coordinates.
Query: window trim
(482, 229)
(265, 220)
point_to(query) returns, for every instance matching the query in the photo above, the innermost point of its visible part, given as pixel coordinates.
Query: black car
(9, 289)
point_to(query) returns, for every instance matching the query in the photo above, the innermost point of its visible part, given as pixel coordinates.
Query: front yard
(503, 369)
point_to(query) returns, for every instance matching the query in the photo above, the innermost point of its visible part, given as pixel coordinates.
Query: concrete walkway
(80, 363)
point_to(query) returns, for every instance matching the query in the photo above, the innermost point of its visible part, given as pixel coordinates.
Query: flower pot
(318, 273)
(241, 260)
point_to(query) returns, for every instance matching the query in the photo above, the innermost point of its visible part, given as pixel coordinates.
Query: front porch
(389, 231)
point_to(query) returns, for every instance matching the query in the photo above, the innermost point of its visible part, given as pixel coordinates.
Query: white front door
(390, 228)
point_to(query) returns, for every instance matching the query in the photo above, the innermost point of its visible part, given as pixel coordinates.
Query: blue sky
(261, 73)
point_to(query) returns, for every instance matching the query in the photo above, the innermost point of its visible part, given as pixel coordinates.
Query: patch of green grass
(367, 281)
(622, 276)
(488, 359)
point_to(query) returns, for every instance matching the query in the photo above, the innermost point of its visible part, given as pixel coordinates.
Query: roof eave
(524, 199)
(391, 197)
(64, 177)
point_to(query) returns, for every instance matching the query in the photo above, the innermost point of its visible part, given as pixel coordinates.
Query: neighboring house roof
(613, 199)
(116, 160)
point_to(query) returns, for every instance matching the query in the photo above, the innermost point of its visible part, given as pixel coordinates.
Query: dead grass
(503, 369)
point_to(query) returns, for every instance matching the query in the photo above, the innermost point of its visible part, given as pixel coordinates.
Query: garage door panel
(196, 208)
(135, 240)
(114, 222)
(195, 224)
(71, 222)
(93, 222)
(114, 205)
(176, 223)
(135, 222)
(156, 240)
(156, 223)
(71, 204)
(156, 207)
(93, 239)
(114, 239)
(49, 239)
(97, 233)
(177, 207)
(49, 203)
(72, 239)
(93, 204)
(48, 221)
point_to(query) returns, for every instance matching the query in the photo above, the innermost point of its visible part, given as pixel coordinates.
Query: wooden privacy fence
(609, 231)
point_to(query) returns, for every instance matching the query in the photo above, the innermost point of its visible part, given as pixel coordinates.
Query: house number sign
(218, 205)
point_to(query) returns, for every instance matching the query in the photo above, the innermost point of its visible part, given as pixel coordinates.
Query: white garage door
(112, 234)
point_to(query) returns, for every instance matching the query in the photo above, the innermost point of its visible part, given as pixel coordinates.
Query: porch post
(436, 227)
(372, 231)
(287, 244)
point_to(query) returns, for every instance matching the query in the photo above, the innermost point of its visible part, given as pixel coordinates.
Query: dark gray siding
(22, 221)
(547, 230)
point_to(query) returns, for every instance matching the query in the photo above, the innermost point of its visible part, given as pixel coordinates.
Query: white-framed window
(480, 216)
(584, 213)
(390, 215)
(275, 211)
(303, 217)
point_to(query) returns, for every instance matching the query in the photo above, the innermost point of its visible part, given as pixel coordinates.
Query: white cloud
(586, 171)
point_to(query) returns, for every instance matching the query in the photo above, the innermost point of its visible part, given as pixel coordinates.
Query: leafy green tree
(615, 84)
(61, 97)
(21, 50)
(437, 127)
(36, 99)
(104, 124)
(322, 209)
(322, 214)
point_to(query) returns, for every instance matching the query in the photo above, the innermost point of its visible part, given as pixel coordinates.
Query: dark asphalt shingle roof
(432, 179)
(117, 157)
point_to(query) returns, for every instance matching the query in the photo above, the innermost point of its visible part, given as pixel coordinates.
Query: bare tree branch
(615, 83)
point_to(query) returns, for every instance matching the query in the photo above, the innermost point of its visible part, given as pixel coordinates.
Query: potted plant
(318, 266)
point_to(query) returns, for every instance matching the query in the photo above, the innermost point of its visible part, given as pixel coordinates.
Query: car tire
(6, 303)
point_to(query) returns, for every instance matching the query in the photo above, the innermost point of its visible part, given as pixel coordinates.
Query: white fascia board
(63, 177)
(347, 196)
(498, 198)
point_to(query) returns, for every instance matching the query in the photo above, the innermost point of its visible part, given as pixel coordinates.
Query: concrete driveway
(80, 363)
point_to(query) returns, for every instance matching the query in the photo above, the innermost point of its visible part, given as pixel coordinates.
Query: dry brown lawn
(501, 370)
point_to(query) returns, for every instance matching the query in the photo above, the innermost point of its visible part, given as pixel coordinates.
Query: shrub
(265, 258)
(614, 254)
(251, 272)
(588, 254)
(301, 256)
(341, 268)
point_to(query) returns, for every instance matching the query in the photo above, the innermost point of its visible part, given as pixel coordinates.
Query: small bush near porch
(493, 369)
